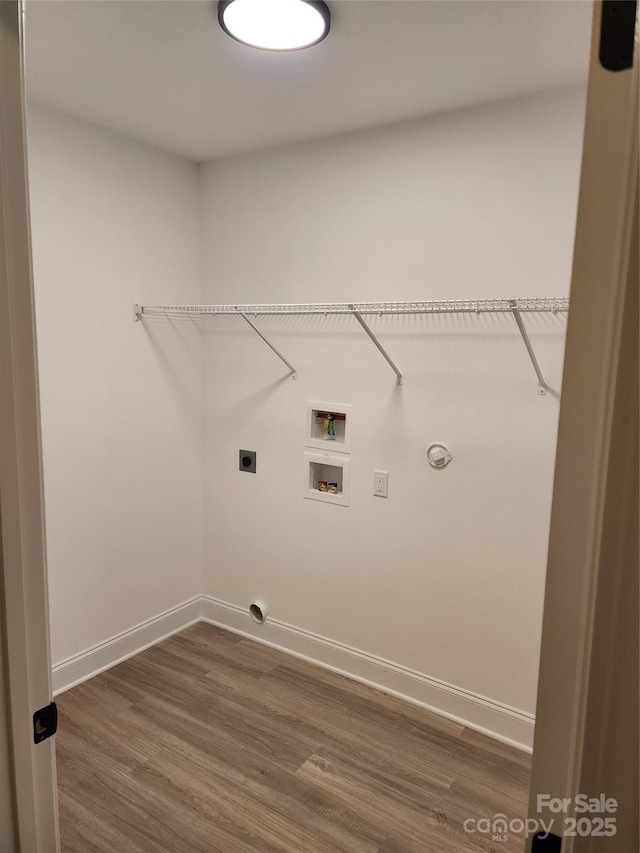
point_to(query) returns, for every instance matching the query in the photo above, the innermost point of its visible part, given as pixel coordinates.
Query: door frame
(583, 488)
(23, 571)
(590, 621)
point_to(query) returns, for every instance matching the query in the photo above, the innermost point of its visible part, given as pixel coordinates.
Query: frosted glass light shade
(275, 24)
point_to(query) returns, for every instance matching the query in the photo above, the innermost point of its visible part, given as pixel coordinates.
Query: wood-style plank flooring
(213, 743)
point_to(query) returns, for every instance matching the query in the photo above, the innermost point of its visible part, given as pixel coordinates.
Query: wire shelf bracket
(377, 343)
(542, 385)
(292, 370)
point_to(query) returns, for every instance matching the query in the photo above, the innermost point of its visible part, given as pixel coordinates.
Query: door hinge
(617, 34)
(546, 842)
(45, 723)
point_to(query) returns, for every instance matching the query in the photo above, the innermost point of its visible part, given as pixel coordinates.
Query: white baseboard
(80, 667)
(493, 718)
(477, 712)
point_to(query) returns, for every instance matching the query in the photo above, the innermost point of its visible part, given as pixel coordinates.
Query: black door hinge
(617, 34)
(546, 842)
(45, 723)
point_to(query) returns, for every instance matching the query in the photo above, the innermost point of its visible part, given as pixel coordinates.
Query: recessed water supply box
(329, 426)
(326, 478)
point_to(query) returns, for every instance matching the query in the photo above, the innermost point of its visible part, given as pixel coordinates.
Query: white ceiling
(166, 74)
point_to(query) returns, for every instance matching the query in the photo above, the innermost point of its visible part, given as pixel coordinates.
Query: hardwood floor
(211, 742)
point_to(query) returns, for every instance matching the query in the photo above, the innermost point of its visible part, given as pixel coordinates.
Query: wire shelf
(439, 306)
(515, 307)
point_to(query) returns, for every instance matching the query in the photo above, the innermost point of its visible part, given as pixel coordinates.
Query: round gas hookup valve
(439, 455)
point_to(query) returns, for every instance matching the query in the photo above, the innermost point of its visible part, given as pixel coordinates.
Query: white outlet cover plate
(381, 484)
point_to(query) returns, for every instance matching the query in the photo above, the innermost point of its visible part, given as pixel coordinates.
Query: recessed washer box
(326, 478)
(329, 426)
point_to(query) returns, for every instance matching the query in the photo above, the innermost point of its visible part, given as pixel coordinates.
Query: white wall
(436, 592)
(115, 222)
(446, 576)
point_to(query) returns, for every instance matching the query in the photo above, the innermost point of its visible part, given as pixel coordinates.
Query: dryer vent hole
(257, 613)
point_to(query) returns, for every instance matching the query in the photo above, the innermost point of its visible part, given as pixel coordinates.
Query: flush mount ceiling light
(275, 24)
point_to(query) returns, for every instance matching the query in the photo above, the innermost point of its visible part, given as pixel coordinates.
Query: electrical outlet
(381, 484)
